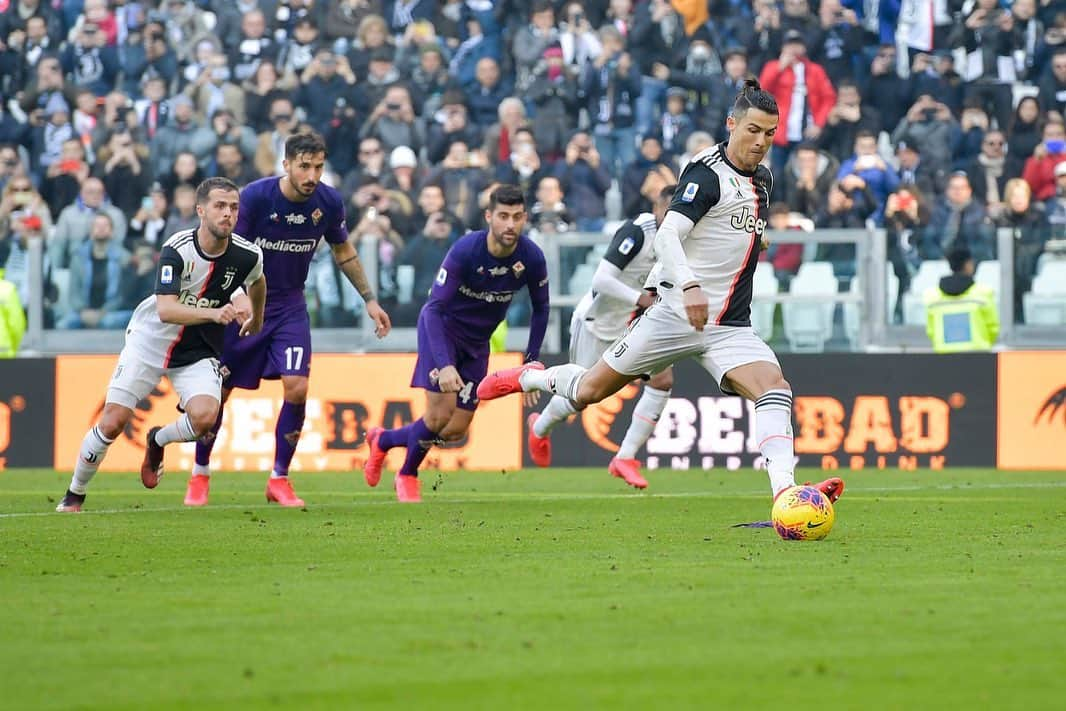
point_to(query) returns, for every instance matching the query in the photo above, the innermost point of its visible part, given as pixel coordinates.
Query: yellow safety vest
(965, 322)
(12, 320)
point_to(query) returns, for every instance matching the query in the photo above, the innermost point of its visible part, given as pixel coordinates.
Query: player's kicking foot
(504, 382)
(152, 466)
(540, 448)
(408, 489)
(376, 459)
(279, 491)
(833, 487)
(71, 502)
(196, 492)
(629, 471)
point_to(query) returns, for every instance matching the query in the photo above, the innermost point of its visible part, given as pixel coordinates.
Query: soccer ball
(802, 513)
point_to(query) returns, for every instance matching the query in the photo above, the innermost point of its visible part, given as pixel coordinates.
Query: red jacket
(821, 96)
(1040, 174)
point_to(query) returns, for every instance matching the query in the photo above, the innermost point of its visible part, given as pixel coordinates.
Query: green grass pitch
(549, 590)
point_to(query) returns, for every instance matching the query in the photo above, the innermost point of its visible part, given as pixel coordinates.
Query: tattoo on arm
(353, 269)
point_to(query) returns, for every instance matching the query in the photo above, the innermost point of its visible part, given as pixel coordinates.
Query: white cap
(402, 157)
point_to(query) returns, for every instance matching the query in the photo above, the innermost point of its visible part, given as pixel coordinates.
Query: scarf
(993, 171)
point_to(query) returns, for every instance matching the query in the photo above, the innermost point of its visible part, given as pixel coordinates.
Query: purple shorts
(472, 362)
(283, 347)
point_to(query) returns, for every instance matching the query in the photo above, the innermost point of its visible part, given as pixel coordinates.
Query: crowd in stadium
(940, 120)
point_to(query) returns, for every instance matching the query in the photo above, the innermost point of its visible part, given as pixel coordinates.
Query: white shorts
(662, 337)
(134, 379)
(585, 347)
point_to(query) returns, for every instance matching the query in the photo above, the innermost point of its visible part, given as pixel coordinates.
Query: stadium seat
(988, 274)
(764, 283)
(929, 274)
(61, 279)
(1054, 269)
(581, 279)
(809, 325)
(1045, 305)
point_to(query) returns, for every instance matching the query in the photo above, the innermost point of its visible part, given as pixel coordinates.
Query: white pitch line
(488, 497)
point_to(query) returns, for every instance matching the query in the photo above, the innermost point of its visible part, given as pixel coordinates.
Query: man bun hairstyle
(752, 96)
(506, 195)
(203, 190)
(299, 144)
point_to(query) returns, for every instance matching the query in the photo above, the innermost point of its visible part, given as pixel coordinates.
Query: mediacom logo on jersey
(284, 245)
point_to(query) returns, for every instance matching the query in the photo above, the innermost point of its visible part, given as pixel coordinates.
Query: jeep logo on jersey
(747, 222)
(284, 245)
(190, 299)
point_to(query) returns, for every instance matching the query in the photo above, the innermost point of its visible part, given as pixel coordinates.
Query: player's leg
(131, 382)
(289, 358)
(199, 388)
(645, 416)
(744, 364)
(204, 446)
(422, 435)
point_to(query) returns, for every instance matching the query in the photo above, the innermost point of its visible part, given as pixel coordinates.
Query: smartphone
(147, 203)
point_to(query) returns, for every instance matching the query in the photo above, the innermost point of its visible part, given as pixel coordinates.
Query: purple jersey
(288, 232)
(473, 291)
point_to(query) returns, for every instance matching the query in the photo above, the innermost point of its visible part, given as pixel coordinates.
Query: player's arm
(538, 294)
(256, 286)
(347, 259)
(697, 192)
(168, 289)
(625, 245)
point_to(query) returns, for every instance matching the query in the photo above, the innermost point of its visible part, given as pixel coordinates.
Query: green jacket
(12, 319)
(961, 315)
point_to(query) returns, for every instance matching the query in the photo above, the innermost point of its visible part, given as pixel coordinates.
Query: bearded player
(708, 246)
(286, 217)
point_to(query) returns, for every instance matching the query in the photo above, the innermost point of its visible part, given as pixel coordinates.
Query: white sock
(93, 450)
(645, 416)
(275, 475)
(558, 409)
(558, 380)
(180, 430)
(201, 470)
(773, 430)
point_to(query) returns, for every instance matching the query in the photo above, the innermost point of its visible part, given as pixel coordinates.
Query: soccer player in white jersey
(599, 320)
(178, 332)
(708, 247)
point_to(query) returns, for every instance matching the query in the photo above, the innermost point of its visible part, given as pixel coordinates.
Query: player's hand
(696, 307)
(531, 398)
(382, 324)
(448, 380)
(243, 304)
(225, 314)
(251, 326)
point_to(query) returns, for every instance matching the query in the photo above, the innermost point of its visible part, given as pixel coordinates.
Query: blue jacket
(81, 276)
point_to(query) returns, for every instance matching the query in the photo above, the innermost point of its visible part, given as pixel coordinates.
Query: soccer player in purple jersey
(286, 217)
(475, 285)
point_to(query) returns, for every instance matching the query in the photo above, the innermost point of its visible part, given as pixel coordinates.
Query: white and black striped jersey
(728, 207)
(632, 252)
(197, 280)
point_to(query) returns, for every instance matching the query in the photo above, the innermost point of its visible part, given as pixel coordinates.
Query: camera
(393, 107)
(928, 114)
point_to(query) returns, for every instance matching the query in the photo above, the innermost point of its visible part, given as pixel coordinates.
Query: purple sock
(286, 435)
(205, 444)
(420, 440)
(395, 438)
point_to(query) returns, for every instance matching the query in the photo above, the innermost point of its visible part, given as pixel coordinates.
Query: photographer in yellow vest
(960, 314)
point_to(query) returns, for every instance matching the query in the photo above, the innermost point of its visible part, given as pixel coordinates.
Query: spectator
(372, 35)
(698, 141)
(49, 84)
(650, 160)
(926, 178)
(96, 270)
(62, 181)
(1028, 30)
(75, 221)
(611, 86)
(449, 124)
(370, 166)
(553, 94)
(1030, 230)
(149, 222)
(89, 60)
(844, 210)
(531, 41)
(24, 49)
(484, 96)
(213, 90)
(119, 114)
(651, 38)
(297, 54)
(987, 36)
(425, 251)
(430, 200)
(803, 92)
(343, 18)
(961, 315)
(930, 127)
(926, 26)
(476, 46)
(270, 150)
(1056, 206)
(846, 120)
(696, 67)
(807, 179)
(393, 121)
(987, 171)
(524, 166)
(230, 163)
(585, 181)
(326, 89)
(839, 41)
(401, 13)
(48, 139)
(253, 46)
(885, 90)
(797, 18)
(785, 257)
(973, 124)
(429, 79)
(497, 143)
(153, 110)
(138, 282)
(261, 90)
(867, 170)
(549, 214)
(183, 135)
(906, 217)
(10, 164)
(579, 43)
(462, 176)
(185, 171)
(723, 92)
(1053, 85)
(122, 166)
(958, 221)
(404, 177)
(148, 54)
(183, 212)
(1024, 134)
(1039, 170)
(935, 75)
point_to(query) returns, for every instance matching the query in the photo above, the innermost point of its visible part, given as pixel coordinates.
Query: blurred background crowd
(938, 120)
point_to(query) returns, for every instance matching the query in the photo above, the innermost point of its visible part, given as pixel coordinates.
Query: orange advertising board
(1032, 410)
(348, 395)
